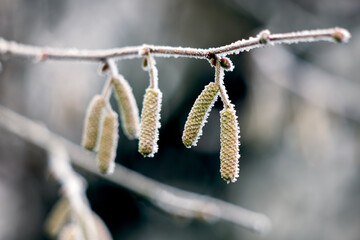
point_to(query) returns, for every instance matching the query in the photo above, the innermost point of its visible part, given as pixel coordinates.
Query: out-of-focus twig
(170, 199)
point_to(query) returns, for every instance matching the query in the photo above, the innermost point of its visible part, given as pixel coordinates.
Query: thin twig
(42, 53)
(170, 199)
(72, 186)
(219, 76)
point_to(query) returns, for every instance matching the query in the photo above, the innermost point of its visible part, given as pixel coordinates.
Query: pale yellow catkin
(101, 229)
(229, 139)
(71, 232)
(58, 217)
(150, 122)
(129, 112)
(108, 144)
(198, 114)
(92, 120)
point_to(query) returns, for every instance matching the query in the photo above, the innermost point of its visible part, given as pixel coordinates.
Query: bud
(226, 64)
(103, 68)
(57, 217)
(150, 122)
(128, 108)
(108, 144)
(341, 35)
(198, 114)
(229, 139)
(144, 64)
(92, 120)
(264, 36)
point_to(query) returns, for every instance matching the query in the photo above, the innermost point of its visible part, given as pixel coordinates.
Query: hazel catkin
(150, 122)
(198, 114)
(129, 112)
(229, 141)
(92, 120)
(71, 231)
(108, 144)
(58, 217)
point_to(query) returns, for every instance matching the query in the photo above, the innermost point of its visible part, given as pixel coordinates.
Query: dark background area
(298, 109)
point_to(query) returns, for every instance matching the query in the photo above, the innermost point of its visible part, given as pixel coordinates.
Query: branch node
(264, 37)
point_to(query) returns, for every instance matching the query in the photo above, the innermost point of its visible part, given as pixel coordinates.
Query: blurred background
(298, 109)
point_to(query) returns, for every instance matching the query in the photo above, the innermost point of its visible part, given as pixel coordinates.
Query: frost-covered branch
(262, 39)
(170, 199)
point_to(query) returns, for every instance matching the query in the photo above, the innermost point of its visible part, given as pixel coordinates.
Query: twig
(219, 77)
(170, 199)
(264, 38)
(72, 187)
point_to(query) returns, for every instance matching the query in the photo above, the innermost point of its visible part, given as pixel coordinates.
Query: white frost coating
(158, 125)
(219, 77)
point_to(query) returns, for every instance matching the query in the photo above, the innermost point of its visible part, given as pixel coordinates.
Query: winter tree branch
(264, 38)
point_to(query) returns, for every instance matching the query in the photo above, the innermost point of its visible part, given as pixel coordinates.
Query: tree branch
(262, 39)
(170, 199)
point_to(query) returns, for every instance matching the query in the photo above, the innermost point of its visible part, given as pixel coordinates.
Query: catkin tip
(198, 114)
(93, 117)
(108, 144)
(71, 231)
(150, 122)
(229, 141)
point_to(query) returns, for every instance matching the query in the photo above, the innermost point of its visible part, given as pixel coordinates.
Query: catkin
(58, 217)
(108, 144)
(229, 139)
(129, 112)
(92, 120)
(71, 232)
(150, 122)
(198, 114)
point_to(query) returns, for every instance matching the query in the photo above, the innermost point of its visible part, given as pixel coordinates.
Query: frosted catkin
(108, 144)
(92, 120)
(198, 114)
(129, 112)
(150, 122)
(229, 139)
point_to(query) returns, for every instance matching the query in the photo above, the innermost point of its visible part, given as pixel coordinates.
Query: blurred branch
(72, 186)
(262, 39)
(170, 199)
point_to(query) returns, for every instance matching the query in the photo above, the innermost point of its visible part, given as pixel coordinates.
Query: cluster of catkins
(101, 125)
(66, 222)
